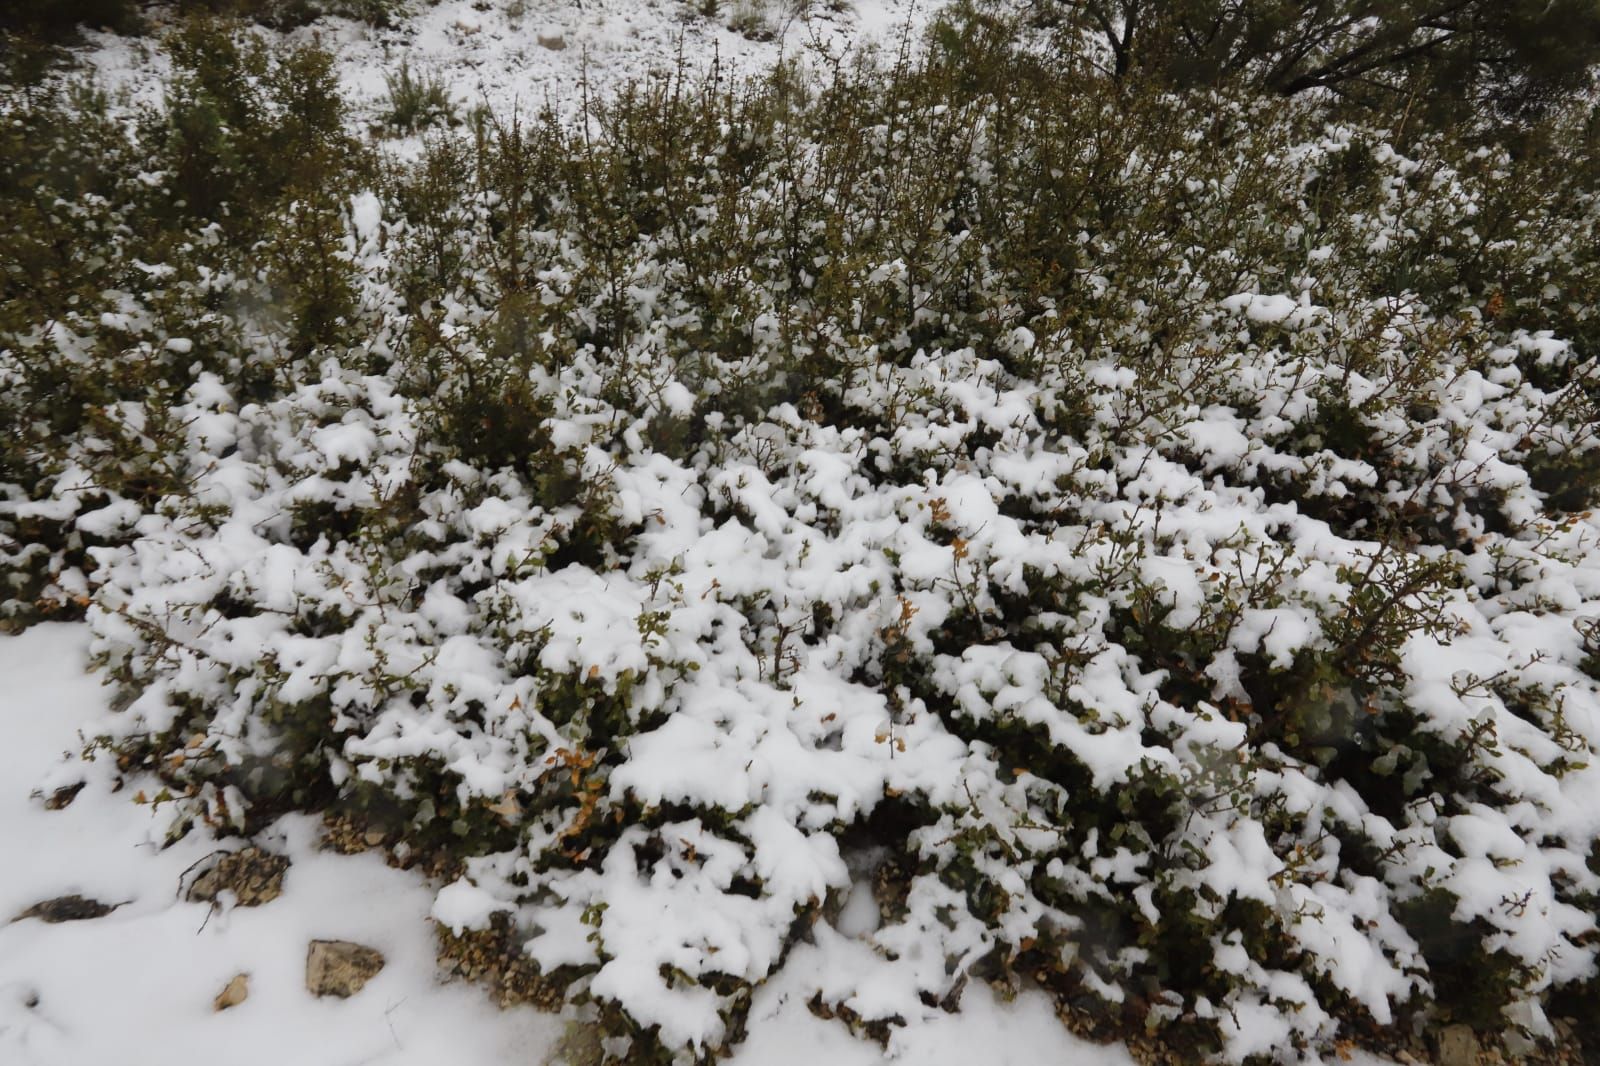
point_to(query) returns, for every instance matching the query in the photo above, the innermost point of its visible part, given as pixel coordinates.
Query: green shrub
(54, 17)
(1519, 56)
(416, 102)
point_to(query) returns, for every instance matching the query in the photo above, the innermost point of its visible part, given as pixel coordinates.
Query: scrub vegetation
(1136, 501)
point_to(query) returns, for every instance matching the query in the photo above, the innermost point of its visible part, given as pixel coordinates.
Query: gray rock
(339, 967)
(555, 40)
(1458, 1046)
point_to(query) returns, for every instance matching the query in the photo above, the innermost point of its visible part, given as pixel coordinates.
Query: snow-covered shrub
(1147, 532)
(203, 236)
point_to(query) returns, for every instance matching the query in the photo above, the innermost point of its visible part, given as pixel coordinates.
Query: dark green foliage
(1471, 984)
(1518, 55)
(198, 184)
(32, 32)
(416, 101)
(247, 126)
(289, 14)
(58, 17)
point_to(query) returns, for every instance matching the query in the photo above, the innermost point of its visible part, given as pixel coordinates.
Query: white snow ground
(136, 986)
(522, 54)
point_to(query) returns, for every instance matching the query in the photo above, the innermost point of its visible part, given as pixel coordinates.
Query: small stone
(1458, 1046)
(555, 40)
(583, 1044)
(233, 994)
(374, 837)
(68, 909)
(339, 967)
(252, 875)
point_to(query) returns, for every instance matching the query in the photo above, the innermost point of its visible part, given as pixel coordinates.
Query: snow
(366, 214)
(1024, 1032)
(520, 57)
(1273, 308)
(753, 750)
(136, 986)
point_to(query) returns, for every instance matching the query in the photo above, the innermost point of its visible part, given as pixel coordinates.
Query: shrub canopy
(1148, 530)
(1516, 54)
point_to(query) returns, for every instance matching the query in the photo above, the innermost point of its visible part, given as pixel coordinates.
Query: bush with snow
(1152, 528)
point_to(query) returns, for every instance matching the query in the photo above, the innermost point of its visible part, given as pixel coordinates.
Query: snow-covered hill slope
(523, 55)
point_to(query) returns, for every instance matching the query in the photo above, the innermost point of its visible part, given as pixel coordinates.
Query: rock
(339, 967)
(583, 1044)
(1516, 1047)
(252, 875)
(554, 40)
(233, 994)
(68, 909)
(1458, 1046)
(374, 837)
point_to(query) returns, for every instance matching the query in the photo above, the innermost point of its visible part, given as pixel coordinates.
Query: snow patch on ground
(520, 56)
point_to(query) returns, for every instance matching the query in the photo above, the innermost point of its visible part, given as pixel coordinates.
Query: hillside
(898, 530)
